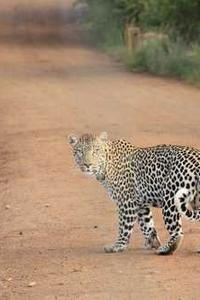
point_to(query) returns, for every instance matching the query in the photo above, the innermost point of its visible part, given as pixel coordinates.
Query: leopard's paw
(152, 243)
(172, 245)
(114, 248)
(164, 250)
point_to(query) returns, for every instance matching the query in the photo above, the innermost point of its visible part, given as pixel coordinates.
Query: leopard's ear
(72, 139)
(103, 136)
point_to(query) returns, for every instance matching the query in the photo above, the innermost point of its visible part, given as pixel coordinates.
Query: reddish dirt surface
(55, 221)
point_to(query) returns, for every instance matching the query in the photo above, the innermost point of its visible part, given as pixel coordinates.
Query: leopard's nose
(87, 165)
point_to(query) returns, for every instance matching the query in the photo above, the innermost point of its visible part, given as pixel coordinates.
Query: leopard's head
(90, 152)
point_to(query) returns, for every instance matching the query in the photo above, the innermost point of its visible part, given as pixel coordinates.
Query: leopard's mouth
(87, 169)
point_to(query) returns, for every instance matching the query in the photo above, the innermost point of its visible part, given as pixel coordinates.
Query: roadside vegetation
(177, 56)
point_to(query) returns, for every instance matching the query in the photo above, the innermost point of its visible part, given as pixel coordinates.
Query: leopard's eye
(80, 154)
(97, 149)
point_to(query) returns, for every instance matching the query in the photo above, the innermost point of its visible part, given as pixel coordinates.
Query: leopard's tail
(183, 199)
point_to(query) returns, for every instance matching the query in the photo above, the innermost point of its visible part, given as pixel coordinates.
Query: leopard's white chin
(87, 171)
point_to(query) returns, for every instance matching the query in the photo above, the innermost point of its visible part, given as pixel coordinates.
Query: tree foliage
(180, 17)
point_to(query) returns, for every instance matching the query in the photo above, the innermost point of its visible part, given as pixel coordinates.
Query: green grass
(163, 58)
(170, 59)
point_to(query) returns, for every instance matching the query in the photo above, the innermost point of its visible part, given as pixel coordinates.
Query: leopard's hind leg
(175, 204)
(187, 203)
(173, 224)
(185, 198)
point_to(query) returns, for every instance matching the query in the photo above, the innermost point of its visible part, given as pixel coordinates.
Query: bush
(179, 17)
(106, 20)
(167, 59)
(102, 24)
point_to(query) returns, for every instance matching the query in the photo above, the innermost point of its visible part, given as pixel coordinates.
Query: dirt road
(54, 221)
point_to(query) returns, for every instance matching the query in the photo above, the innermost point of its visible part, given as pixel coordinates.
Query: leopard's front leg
(146, 223)
(127, 216)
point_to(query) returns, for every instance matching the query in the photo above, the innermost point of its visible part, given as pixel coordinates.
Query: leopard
(139, 178)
